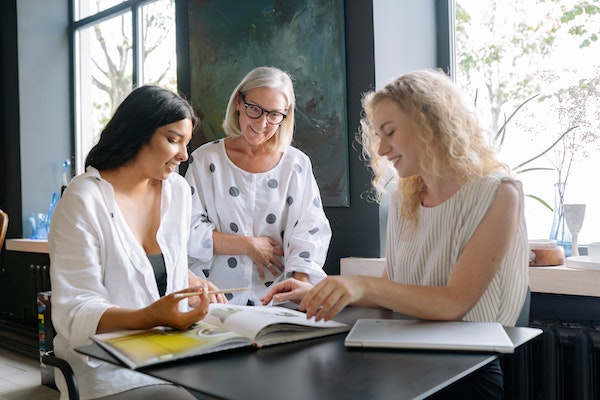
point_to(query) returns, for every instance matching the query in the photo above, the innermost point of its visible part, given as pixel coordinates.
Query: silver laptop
(430, 335)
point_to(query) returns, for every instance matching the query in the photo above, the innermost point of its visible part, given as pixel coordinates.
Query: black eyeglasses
(255, 112)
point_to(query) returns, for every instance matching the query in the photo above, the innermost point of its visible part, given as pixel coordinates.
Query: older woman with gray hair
(257, 214)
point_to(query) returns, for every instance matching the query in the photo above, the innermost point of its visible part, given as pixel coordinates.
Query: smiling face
(166, 149)
(397, 133)
(258, 131)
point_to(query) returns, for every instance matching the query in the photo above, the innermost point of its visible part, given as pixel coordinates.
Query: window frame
(132, 6)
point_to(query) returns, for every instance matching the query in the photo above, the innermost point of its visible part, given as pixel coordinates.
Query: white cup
(594, 251)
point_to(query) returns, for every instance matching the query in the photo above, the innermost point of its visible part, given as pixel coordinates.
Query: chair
(64, 367)
(523, 319)
(3, 227)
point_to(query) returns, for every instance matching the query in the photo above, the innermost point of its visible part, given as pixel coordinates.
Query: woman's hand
(326, 299)
(163, 312)
(289, 290)
(195, 280)
(167, 313)
(167, 307)
(266, 253)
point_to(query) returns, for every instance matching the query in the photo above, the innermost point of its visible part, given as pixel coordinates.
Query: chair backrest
(64, 367)
(523, 319)
(3, 227)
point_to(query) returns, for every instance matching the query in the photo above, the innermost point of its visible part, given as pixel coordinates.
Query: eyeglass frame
(262, 111)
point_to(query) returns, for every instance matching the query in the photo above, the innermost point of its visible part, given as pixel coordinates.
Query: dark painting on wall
(305, 38)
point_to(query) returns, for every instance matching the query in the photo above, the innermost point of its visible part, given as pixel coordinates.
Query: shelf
(556, 280)
(27, 245)
(564, 280)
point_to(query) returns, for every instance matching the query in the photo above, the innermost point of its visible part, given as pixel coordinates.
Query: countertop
(564, 280)
(27, 245)
(558, 279)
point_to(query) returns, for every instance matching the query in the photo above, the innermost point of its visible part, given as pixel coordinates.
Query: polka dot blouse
(283, 203)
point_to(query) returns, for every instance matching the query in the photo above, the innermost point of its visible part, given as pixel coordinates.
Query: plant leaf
(531, 196)
(522, 171)
(502, 129)
(548, 149)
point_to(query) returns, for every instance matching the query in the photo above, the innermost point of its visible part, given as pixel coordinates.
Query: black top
(160, 272)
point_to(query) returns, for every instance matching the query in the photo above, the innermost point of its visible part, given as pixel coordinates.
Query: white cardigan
(97, 263)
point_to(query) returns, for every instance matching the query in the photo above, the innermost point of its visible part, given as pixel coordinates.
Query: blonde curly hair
(450, 141)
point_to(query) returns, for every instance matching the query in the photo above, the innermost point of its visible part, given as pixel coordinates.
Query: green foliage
(582, 11)
(504, 54)
(524, 166)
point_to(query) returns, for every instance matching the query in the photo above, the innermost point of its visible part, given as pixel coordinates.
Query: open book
(225, 327)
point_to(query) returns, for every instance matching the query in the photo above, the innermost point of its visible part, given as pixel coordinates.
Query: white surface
(432, 335)
(564, 280)
(582, 262)
(558, 279)
(362, 266)
(594, 251)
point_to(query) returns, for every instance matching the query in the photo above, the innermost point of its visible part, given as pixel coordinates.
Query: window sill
(564, 280)
(27, 245)
(555, 280)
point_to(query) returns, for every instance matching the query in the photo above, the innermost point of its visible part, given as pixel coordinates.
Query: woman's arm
(308, 232)
(195, 280)
(471, 275)
(163, 312)
(264, 251)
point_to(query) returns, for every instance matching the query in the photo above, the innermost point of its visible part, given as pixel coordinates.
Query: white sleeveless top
(428, 256)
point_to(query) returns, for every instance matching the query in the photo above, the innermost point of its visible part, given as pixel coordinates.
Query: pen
(190, 294)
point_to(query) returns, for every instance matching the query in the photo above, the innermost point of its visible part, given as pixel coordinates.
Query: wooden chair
(3, 227)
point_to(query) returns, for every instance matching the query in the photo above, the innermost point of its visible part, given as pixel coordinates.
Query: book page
(147, 347)
(267, 325)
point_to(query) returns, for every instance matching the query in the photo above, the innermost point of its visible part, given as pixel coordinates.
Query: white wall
(404, 37)
(405, 40)
(43, 101)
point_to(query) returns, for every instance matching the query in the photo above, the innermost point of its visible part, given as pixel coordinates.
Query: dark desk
(322, 369)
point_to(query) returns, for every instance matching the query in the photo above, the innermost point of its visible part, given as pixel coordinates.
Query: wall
(44, 101)
(355, 228)
(10, 177)
(396, 25)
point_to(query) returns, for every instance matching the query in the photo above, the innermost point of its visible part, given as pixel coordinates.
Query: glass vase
(559, 230)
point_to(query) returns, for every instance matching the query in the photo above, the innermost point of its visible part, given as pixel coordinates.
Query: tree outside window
(508, 51)
(133, 45)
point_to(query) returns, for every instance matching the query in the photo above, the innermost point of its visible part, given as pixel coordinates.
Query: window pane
(159, 57)
(85, 8)
(104, 77)
(511, 50)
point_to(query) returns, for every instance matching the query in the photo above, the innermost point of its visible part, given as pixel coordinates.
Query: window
(118, 45)
(508, 51)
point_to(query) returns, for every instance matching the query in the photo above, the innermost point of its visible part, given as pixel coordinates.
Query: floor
(20, 378)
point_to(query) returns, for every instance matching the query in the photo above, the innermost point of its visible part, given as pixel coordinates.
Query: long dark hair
(144, 110)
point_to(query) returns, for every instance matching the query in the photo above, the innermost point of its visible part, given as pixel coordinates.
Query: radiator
(23, 277)
(566, 361)
(40, 278)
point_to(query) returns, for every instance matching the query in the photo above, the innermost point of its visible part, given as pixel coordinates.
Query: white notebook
(430, 335)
